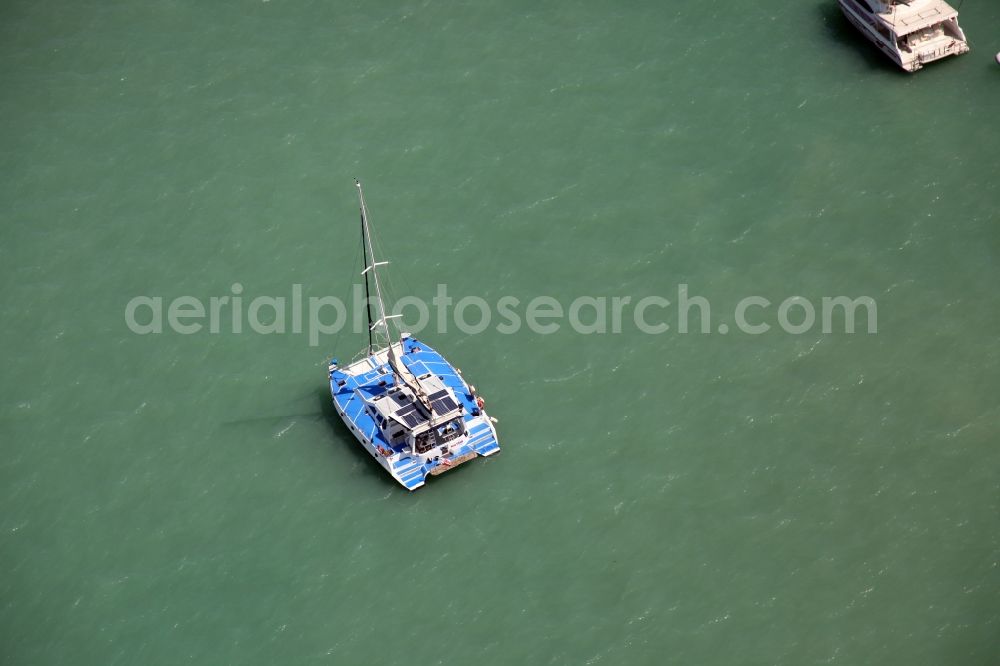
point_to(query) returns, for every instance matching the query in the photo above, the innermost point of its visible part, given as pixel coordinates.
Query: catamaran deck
(420, 359)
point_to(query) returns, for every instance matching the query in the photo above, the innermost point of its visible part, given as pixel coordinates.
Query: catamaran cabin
(405, 421)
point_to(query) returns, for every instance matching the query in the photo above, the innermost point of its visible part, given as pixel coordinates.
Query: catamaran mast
(399, 369)
(368, 298)
(382, 321)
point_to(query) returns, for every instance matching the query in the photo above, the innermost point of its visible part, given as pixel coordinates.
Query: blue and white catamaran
(410, 408)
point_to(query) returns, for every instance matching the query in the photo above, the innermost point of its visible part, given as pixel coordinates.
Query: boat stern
(480, 441)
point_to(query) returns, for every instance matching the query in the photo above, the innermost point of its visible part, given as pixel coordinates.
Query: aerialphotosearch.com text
(319, 316)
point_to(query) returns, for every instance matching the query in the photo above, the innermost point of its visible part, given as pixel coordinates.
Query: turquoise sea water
(676, 498)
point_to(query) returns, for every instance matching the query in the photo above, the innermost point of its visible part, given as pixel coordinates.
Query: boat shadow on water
(838, 30)
(348, 455)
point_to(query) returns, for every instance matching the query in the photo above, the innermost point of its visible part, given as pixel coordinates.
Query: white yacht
(911, 32)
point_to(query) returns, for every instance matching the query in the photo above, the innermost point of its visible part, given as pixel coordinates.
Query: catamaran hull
(415, 475)
(409, 469)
